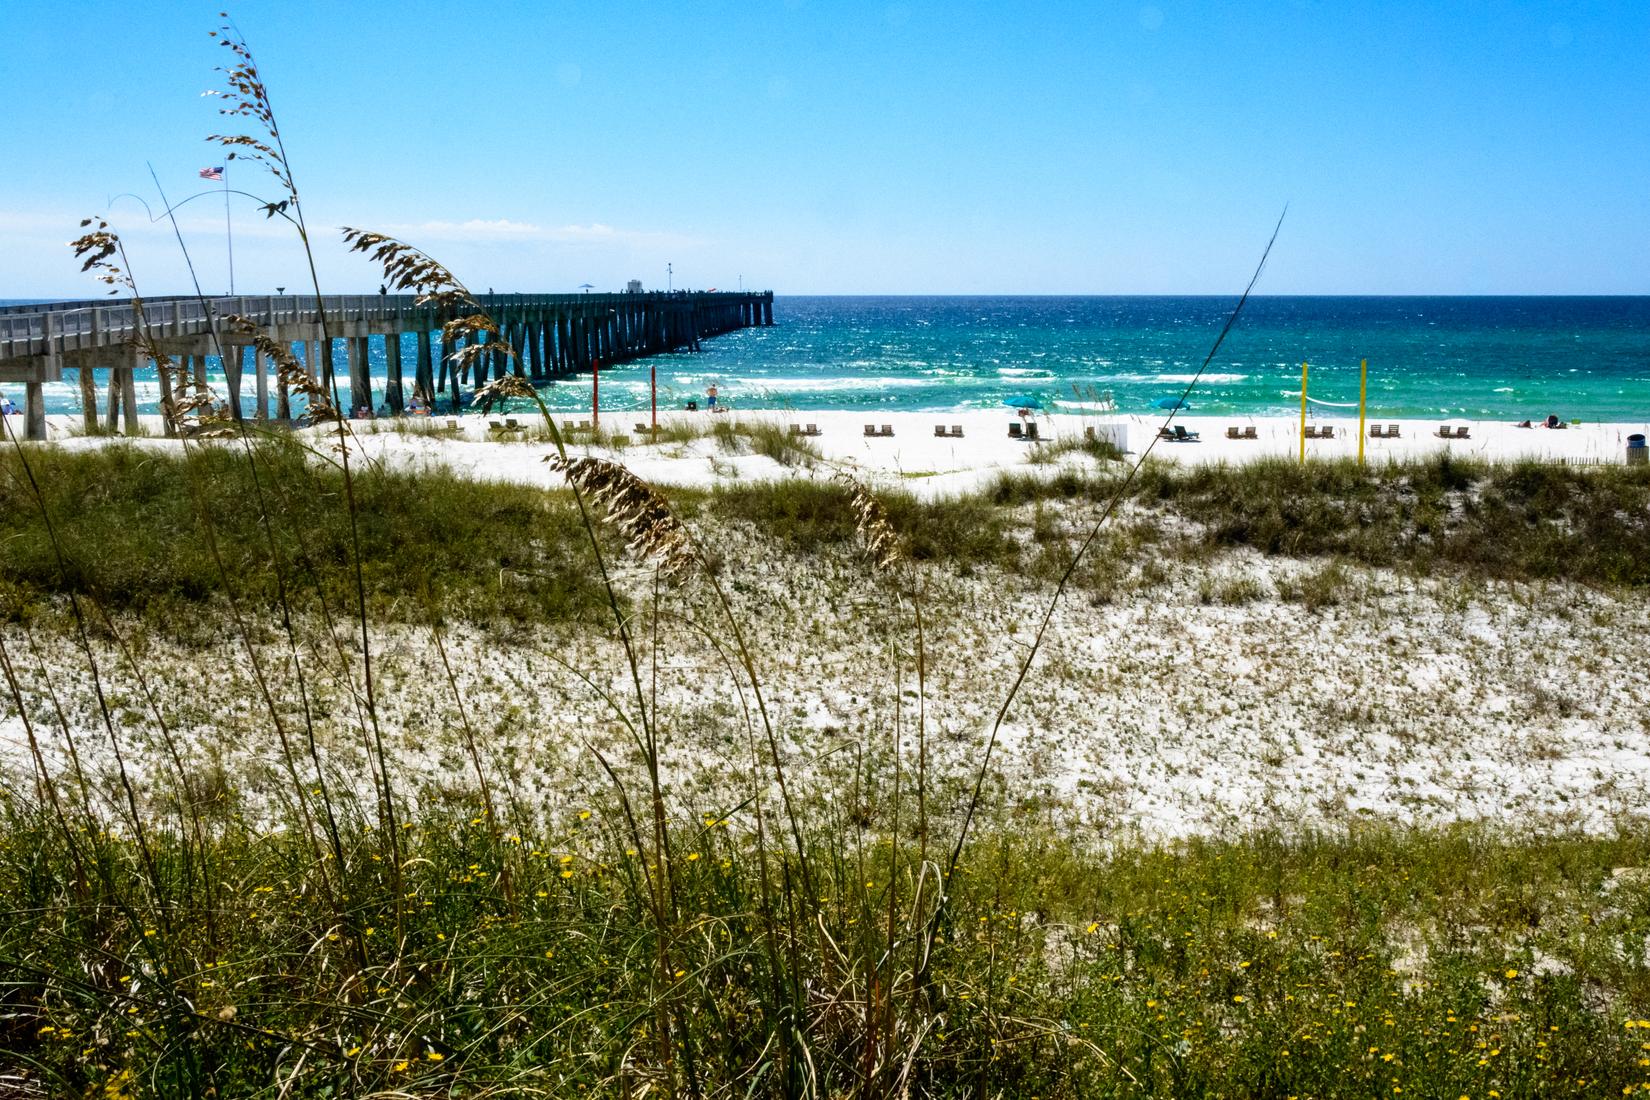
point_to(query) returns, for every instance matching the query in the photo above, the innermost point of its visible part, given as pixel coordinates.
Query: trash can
(1637, 453)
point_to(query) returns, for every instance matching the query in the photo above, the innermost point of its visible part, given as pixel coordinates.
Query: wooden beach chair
(939, 429)
(813, 429)
(1462, 432)
(1392, 431)
(494, 426)
(1327, 432)
(1232, 432)
(1014, 430)
(956, 431)
(1165, 434)
(870, 429)
(1444, 432)
(1181, 435)
(888, 429)
(1250, 433)
(640, 428)
(1377, 432)
(1031, 431)
(796, 429)
(1310, 431)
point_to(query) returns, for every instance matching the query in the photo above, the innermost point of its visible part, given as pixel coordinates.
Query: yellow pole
(1363, 394)
(1303, 414)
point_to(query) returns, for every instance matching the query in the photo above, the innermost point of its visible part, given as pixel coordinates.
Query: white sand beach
(931, 465)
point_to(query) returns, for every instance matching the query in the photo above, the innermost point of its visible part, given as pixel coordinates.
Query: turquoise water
(1497, 358)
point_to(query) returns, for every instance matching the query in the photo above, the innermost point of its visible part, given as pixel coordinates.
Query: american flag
(212, 173)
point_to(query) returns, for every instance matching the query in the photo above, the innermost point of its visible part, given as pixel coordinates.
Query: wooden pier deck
(555, 335)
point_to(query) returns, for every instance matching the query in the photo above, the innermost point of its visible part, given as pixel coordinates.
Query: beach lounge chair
(870, 429)
(1444, 432)
(939, 429)
(887, 429)
(1031, 431)
(1181, 435)
(1014, 430)
(1327, 432)
(1250, 433)
(511, 425)
(1461, 432)
(956, 431)
(1311, 431)
(813, 429)
(796, 429)
(1377, 432)
(494, 426)
(1165, 434)
(1232, 432)
(1392, 431)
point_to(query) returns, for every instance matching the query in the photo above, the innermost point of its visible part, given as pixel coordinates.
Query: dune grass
(129, 522)
(1435, 964)
(499, 551)
(1523, 521)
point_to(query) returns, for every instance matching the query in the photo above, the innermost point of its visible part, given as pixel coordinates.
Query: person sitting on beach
(6, 407)
(1552, 420)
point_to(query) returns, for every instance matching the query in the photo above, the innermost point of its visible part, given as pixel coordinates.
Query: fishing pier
(555, 335)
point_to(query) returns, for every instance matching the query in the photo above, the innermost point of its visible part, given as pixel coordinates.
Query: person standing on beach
(710, 398)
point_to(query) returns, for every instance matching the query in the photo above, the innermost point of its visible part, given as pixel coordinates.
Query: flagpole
(1303, 414)
(1363, 395)
(227, 231)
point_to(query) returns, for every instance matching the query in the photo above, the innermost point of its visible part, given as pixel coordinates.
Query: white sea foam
(823, 385)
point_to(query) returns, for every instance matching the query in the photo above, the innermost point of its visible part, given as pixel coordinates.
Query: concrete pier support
(360, 378)
(424, 372)
(232, 360)
(260, 367)
(88, 398)
(34, 411)
(393, 393)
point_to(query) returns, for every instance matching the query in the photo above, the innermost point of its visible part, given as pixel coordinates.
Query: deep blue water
(1501, 358)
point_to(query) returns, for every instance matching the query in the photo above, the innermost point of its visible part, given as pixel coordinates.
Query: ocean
(1479, 357)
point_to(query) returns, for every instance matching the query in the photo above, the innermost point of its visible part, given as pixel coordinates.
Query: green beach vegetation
(129, 521)
(196, 934)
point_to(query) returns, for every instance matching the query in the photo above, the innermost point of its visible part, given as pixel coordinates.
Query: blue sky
(837, 147)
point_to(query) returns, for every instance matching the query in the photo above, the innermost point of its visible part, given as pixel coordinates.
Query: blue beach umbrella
(1023, 401)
